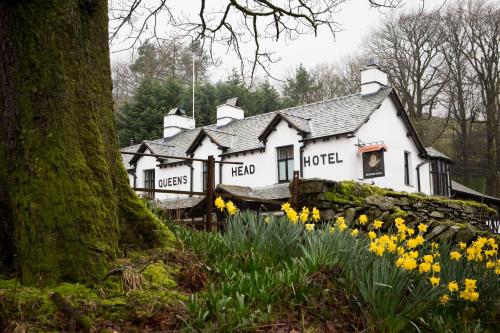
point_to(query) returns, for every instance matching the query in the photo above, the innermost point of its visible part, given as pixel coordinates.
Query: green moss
(159, 275)
(351, 192)
(398, 213)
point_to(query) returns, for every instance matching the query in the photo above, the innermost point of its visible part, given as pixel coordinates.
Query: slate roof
(433, 153)
(336, 116)
(457, 187)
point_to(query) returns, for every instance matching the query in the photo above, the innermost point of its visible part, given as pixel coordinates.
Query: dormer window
(285, 164)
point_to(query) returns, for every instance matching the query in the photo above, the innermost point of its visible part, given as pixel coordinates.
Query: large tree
(65, 203)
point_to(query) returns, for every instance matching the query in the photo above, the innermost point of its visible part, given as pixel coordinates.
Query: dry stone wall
(448, 220)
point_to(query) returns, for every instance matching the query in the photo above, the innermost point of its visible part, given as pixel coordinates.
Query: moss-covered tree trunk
(65, 204)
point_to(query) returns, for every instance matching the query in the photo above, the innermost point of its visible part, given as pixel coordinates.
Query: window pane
(282, 171)
(290, 152)
(290, 169)
(281, 153)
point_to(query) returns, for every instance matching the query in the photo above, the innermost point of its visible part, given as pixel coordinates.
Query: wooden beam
(151, 190)
(177, 157)
(210, 190)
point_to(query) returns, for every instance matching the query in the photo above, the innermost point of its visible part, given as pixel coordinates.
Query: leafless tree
(408, 48)
(462, 96)
(236, 24)
(481, 30)
(339, 78)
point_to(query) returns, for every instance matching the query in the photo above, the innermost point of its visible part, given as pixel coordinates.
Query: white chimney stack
(372, 78)
(176, 121)
(229, 111)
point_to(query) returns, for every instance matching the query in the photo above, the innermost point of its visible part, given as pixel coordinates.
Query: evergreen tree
(142, 117)
(300, 88)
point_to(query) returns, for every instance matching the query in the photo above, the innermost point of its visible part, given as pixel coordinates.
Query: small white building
(366, 137)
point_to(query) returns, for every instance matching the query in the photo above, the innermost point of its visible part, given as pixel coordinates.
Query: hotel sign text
(322, 159)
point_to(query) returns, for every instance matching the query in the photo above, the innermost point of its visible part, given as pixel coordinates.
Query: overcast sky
(355, 17)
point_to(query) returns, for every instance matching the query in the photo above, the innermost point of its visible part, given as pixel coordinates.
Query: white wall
(265, 164)
(332, 158)
(385, 125)
(144, 163)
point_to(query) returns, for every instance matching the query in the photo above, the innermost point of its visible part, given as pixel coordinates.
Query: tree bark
(65, 204)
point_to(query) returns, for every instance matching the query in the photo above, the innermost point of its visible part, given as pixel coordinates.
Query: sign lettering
(172, 181)
(322, 159)
(243, 170)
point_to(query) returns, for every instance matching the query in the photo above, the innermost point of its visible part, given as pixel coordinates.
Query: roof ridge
(295, 116)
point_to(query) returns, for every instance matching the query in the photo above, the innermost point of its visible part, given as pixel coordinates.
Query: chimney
(176, 121)
(372, 78)
(229, 111)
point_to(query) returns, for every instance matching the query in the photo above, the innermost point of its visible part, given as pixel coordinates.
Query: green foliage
(300, 87)
(259, 266)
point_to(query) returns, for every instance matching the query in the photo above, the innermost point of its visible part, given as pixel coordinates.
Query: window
(204, 174)
(149, 182)
(407, 168)
(439, 178)
(285, 164)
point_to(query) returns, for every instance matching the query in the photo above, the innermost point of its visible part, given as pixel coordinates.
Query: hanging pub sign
(373, 161)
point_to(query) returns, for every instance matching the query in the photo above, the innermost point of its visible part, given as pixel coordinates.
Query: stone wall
(448, 220)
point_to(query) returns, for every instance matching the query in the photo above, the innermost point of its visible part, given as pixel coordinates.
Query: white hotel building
(366, 137)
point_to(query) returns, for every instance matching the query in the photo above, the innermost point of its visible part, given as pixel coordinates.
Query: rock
(350, 214)
(448, 235)
(384, 203)
(402, 201)
(437, 215)
(465, 234)
(313, 186)
(328, 214)
(436, 231)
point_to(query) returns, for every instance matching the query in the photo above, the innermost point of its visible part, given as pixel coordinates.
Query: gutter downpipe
(418, 173)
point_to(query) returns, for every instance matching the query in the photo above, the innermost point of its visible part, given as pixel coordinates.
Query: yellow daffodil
(424, 267)
(372, 235)
(497, 270)
(414, 254)
(420, 240)
(490, 253)
(220, 204)
(231, 208)
(331, 229)
(399, 221)
(409, 263)
(462, 245)
(315, 214)
(292, 215)
(434, 245)
(285, 207)
(377, 224)
(391, 247)
(304, 216)
(400, 250)
(410, 231)
(455, 255)
(354, 232)
(363, 219)
(340, 220)
(436, 268)
(309, 227)
(412, 243)
(342, 226)
(428, 258)
(453, 286)
(422, 227)
(470, 284)
(490, 264)
(434, 281)
(266, 219)
(379, 250)
(444, 299)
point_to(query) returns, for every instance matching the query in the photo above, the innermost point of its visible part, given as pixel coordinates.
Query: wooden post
(210, 191)
(295, 189)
